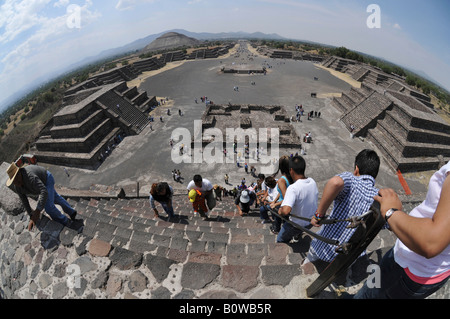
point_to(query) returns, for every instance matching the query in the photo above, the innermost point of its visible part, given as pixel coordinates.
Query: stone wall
(251, 116)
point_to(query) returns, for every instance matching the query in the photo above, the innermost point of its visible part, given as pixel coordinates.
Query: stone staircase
(122, 251)
(129, 224)
(342, 65)
(408, 134)
(127, 110)
(146, 65)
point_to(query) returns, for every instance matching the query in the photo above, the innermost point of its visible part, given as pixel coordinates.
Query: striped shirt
(354, 200)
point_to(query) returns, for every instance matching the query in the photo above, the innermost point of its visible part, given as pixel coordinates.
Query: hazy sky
(40, 37)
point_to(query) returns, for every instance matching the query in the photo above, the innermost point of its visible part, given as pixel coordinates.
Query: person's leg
(286, 233)
(167, 209)
(50, 207)
(263, 212)
(59, 200)
(276, 225)
(210, 200)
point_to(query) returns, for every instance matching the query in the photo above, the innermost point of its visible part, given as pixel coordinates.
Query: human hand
(34, 219)
(388, 199)
(315, 222)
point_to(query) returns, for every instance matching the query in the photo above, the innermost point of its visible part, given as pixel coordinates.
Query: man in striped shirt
(352, 194)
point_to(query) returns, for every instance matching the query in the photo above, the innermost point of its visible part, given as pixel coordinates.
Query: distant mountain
(171, 40)
(230, 35)
(140, 44)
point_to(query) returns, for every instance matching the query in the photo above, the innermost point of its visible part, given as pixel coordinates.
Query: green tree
(411, 80)
(49, 97)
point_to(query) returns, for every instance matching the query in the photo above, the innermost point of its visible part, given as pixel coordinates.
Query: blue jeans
(169, 210)
(54, 198)
(288, 232)
(263, 212)
(395, 283)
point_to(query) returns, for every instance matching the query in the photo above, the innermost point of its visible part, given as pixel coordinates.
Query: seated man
(36, 180)
(300, 200)
(244, 200)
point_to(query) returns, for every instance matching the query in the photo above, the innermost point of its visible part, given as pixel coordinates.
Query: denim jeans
(210, 200)
(288, 232)
(263, 212)
(169, 210)
(54, 198)
(395, 283)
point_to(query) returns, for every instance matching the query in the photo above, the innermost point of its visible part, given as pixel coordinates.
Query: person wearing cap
(244, 200)
(218, 191)
(36, 180)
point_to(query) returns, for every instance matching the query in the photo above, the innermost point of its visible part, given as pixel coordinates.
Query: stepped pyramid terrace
(93, 120)
(399, 120)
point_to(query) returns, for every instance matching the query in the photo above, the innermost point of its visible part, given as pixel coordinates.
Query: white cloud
(61, 3)
(18, 17)
(130, 4)
(397, 26)
(42, 52)
(195, 2)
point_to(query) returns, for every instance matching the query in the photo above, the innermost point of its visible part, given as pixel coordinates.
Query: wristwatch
(389, 213)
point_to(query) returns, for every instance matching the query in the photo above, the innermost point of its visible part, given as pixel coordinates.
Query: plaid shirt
(354, 200)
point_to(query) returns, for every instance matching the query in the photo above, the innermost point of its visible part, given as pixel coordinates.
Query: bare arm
(285, 210)
(333, 187)
(427, 237)
(283, 187)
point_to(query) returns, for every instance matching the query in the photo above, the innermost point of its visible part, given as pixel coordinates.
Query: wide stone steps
(123, 252)
(130, 224)
(127, 111)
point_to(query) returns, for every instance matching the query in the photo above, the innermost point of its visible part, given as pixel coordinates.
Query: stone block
(240, 278)
(99, 248)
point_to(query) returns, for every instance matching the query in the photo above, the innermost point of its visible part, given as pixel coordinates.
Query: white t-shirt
(264, 186)
(417, 264)
(206, 186)
(302, 198)
(272, 193)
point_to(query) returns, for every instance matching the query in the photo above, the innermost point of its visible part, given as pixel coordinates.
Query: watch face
(390, 212)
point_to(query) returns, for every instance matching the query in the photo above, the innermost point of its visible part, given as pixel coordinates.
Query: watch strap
(389, 213)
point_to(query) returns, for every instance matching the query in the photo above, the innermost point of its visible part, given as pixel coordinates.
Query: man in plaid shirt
(352, 194)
